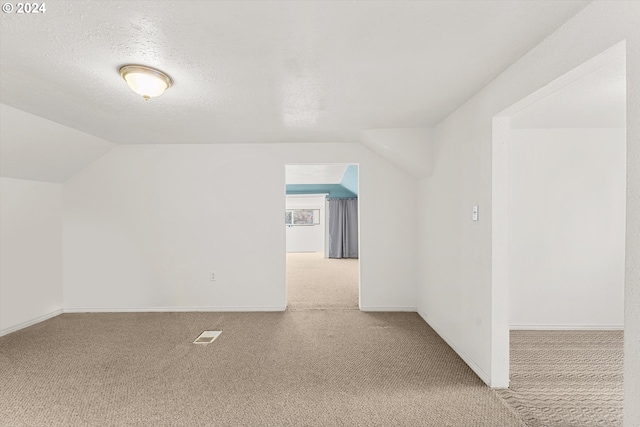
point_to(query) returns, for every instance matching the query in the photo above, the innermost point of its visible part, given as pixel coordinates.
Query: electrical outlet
(213, 277)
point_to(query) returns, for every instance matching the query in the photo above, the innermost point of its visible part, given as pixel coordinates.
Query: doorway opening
(322, 236)
(558, 238)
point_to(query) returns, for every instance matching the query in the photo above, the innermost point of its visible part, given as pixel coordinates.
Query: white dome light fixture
(145, 81)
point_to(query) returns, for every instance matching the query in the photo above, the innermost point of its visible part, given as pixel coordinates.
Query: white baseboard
(401, 309)
(465, 357)
(208, 309)
(566, 327)
(30, 322)
(168, 309)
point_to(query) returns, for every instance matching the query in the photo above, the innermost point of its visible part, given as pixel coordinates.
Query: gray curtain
(343, 228)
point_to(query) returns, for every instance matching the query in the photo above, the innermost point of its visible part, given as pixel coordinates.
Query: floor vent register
(207, 337)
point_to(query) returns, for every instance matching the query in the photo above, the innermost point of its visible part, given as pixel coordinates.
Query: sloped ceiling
(597, 100)
(260, 72)
(37, 149)
(409, 149)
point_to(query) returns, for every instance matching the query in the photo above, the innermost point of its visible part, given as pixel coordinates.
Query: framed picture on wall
(302, 217)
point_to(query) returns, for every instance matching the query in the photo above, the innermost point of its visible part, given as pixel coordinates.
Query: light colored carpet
(295, 368)
(566, 378)
(314, 282)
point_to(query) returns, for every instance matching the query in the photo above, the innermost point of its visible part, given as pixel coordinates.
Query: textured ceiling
(289, 71)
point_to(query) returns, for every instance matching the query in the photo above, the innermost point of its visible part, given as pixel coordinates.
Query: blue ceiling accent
(335, 191)
(347, 189)
(350, 179)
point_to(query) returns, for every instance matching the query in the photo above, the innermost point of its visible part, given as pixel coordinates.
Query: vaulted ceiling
(259, 72)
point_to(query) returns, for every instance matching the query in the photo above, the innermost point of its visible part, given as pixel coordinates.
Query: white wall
(306, 238)
(144, 226)
(566, 228)
(30, 252)
(455, 290)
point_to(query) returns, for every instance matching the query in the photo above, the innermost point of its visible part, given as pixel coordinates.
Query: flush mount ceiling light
(145, 81)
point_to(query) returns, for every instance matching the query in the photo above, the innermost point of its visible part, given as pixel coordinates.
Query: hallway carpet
(566, 378)
(315, 282)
